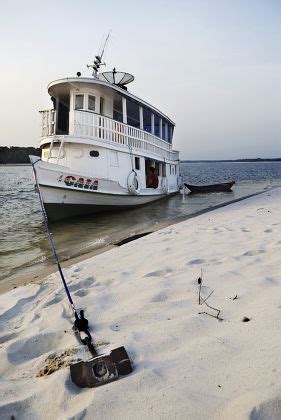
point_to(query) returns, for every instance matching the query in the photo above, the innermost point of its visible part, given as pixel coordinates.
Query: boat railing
(48, 122)
(92, 125)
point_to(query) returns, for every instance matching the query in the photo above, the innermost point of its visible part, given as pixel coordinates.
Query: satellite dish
(118, 78)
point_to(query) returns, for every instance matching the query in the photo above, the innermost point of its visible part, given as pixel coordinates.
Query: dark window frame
(137, 163)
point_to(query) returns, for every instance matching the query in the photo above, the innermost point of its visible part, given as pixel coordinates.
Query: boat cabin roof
(62, 87)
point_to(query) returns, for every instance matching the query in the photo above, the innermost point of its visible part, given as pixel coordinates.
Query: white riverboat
(103, 148)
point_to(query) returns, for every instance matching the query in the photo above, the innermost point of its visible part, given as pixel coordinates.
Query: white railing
(48, 122)
(88, 124)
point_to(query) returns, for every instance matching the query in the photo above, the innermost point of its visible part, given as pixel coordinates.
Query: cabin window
(91, 103)
(133, 114)
(101, 105)
(137, 163)
(156, 125)
(163, 130)
(170, 133)
(117, 108)
(147, 120)
(79, 102)
(166, 131)
(94, 153)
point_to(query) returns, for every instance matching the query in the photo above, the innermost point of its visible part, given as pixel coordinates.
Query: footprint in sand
(196, 261)
(7, 337)
(165, 233)
(76, 271)
(160, 297)
(81, 293)
(22, 307)
(159, 273)
(56, 299)
(14, 410)
(125, 273)
(83, 284)
(26, 349)
(270, 409)
(254, 252)
(268, 231)
(271, 281)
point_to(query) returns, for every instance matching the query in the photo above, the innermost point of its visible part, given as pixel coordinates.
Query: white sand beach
(144, 295)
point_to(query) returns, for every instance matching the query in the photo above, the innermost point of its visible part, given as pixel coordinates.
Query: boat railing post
(54, 122)
(126, 134)
(110, 123)
(49, 123)
(43, 123)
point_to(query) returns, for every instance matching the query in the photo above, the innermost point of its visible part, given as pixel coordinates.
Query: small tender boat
(223, 187)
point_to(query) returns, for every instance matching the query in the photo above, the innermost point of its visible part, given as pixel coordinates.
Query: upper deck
(89, 107)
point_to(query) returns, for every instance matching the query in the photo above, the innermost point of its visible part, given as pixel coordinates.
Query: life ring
(164, 185)
(133, 183)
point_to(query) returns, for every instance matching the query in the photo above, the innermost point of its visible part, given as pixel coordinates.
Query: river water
(23, 241)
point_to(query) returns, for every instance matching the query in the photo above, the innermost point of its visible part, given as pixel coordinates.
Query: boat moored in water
(103, 148)
(223, 187)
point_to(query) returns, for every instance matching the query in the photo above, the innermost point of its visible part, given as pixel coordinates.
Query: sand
(144, 295)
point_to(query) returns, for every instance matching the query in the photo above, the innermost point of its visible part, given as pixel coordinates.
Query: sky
(212, 66)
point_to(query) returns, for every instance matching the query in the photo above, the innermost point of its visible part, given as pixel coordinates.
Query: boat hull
(223, 187)
(66, 195)
(61, 203)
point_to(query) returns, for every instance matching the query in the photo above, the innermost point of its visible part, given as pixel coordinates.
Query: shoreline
(31, 277)
(14, 164)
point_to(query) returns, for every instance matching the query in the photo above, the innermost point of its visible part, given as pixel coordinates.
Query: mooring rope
(81, 323)
(51, 240)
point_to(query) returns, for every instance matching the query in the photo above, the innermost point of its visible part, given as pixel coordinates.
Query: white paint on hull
(68, 196)
(63, 200)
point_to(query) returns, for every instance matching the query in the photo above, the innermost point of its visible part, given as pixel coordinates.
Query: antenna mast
(98, 59)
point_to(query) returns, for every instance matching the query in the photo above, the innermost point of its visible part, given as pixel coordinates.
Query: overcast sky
(213, 66)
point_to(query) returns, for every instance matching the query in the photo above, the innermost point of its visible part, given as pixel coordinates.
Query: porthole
(94, 153)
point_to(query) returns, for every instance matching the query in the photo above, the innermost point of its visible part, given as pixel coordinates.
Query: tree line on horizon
(17, 154)
(234, 160)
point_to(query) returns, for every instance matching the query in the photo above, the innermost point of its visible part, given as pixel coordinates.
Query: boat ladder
(55, 140)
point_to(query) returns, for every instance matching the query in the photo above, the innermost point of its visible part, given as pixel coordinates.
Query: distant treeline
(235, 160)
(15, 154)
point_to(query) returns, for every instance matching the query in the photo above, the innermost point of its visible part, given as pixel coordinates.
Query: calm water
(23, 241)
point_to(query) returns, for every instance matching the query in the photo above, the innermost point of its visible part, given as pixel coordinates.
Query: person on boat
(152, 178)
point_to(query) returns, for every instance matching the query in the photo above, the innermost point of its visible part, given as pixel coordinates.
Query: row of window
(160, 168)
(137, 116)
(88, 102)
(143, 118)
